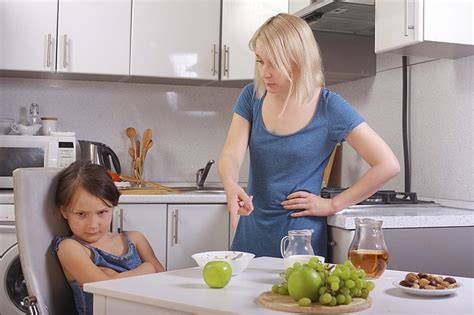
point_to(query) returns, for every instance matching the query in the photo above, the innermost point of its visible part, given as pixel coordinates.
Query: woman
(291, 124)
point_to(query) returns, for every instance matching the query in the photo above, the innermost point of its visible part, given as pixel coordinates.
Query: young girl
(85, 196)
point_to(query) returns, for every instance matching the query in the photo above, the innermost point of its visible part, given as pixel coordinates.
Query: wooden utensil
(137, 148)
(286, 303)
(145, 149)
(146, 138)
(134, 180)
(131, 134)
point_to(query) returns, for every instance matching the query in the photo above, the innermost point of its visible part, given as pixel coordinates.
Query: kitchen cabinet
(28, 35)
(439, 29)
(149, 219)
(175, 39)
(440, 250)
(94, 36)
(176, 231)
(164, 45)
(194, 228)
(240, 20)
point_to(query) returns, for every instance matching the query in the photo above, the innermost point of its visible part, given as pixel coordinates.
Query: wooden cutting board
(286, 303)
(144, 191)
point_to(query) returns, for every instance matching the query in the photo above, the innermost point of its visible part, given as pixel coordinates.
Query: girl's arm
(145, 251)
(230, 162)
(77, 265)
(383, 166)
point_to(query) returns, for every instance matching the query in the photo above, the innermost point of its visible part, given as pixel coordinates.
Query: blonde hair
(288, 41)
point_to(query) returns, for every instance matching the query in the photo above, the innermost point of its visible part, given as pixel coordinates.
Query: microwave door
(12, 158)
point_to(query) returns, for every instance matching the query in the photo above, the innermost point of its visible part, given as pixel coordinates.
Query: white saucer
(426, 292)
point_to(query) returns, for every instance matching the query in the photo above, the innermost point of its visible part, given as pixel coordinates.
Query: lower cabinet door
(195, 228)
(149, 219)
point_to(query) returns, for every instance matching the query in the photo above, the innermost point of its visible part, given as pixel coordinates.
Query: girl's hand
(238, 203)
(309, 204)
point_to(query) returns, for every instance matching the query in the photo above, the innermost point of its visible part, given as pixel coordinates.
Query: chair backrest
(36, 225)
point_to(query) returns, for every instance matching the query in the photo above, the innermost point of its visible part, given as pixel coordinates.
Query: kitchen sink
(202, 190)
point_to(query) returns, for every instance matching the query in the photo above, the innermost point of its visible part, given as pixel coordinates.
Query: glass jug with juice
(368, 249)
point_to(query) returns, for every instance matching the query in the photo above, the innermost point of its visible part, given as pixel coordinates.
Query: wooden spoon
(146, 138)
(145, 149)
(131, 134)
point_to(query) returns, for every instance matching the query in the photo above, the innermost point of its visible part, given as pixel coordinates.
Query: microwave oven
(33, 151)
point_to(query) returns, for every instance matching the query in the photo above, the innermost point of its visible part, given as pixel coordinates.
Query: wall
(189, 123)
(441, 100)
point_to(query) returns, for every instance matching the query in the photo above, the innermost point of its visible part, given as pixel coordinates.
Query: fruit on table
(217, 274)
(337, 284)
(304, 283)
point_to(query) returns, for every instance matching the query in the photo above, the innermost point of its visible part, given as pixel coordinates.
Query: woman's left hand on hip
(309, 204)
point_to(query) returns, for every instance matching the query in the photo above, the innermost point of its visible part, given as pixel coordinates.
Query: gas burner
(380, 197)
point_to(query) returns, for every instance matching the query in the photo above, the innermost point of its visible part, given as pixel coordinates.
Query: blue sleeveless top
(283, 164)
(128, 261)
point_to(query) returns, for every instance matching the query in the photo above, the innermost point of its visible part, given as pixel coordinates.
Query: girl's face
(89, 218)
(275, 82)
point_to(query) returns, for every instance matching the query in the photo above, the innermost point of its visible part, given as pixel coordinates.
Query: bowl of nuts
(427, 284)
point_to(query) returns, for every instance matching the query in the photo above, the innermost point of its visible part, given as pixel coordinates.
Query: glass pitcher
(368, 249)
(299, 243)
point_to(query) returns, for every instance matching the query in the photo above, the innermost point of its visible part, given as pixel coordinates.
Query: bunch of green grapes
(340, 283)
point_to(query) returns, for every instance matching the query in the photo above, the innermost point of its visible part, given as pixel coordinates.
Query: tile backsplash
(189, 123)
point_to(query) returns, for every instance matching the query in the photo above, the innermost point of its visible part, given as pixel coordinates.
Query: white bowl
(26, 130)
(302, 259)
(5, 125)
(237, 260)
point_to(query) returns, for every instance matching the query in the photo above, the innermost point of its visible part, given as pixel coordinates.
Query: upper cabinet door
(175, 39)
(240, 20)
(28, 35)
(94, 36)
(398, 24)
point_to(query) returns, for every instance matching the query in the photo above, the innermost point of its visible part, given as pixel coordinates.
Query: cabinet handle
(214, 68)
(65, 51)
(226, 60)
(48, 55)
(120, 228)
(175, 228)
(407, 26)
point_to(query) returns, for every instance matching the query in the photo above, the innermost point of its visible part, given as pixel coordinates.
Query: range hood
(356, 17)
(344, 30)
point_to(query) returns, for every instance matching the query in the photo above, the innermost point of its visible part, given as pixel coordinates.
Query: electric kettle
(99, 153)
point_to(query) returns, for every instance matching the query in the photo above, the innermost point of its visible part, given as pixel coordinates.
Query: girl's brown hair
(91, 177)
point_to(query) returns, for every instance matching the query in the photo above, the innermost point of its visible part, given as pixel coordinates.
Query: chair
(36, 226)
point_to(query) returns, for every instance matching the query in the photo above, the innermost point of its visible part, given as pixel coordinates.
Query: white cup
(49, 125)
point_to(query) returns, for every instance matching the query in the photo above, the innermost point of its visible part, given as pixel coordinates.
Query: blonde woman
(291, 123)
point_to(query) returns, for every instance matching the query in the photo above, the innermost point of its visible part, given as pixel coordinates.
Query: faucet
(201, 174)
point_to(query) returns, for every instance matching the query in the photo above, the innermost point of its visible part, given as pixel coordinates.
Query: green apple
(304, 282)
(217, 274)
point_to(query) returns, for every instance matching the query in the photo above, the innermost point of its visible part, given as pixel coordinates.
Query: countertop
(185, 291)
(444, 213)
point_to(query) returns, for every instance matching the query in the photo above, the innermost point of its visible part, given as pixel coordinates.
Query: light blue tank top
(128, 261)
(283, 164)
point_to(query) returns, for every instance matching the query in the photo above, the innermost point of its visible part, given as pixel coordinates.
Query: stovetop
(381, 197)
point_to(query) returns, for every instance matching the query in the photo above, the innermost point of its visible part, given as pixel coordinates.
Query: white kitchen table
(184, 291)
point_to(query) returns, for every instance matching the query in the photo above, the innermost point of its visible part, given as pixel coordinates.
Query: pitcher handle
(282, 246)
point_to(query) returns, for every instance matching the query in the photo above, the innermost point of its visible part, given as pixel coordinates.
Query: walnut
(452, 285)
(411, 277)
(439, 279)
(423, 282)
(430, 287)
